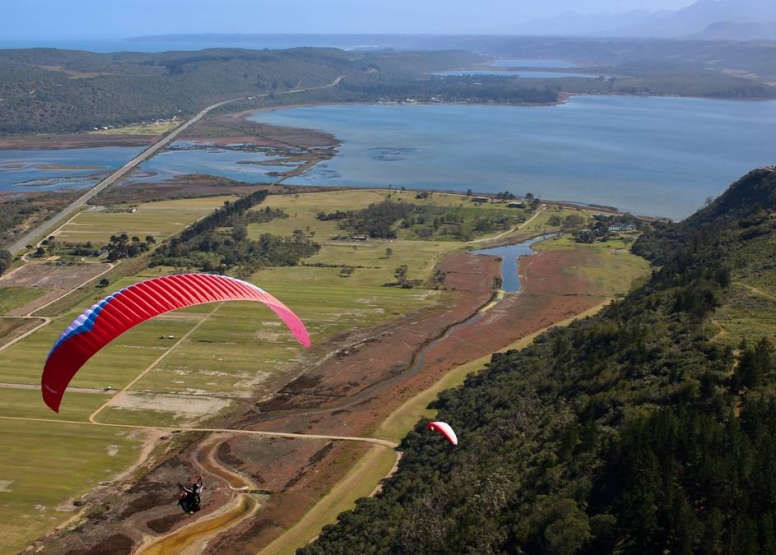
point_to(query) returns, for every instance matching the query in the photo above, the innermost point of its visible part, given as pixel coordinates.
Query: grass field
(206, 360)
(615, 270)
(11, 328)
(45, 467)
(749, 315)
(154, 128)
(14, 297)
(159, 219)
(235, 349)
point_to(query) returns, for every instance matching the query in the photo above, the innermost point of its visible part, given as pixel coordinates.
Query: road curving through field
(192, 538)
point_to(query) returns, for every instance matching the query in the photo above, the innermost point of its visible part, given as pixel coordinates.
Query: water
(655, 156)
(510, 255)
(647, 155)
(233, 163)
(48, 170)
(559, 64)
(525, 74)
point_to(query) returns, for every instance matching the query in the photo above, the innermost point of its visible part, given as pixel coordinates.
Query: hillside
(52, 91)
(642, 430)
(58, 91)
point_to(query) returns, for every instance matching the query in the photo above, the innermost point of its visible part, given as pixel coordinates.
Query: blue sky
(85, 19)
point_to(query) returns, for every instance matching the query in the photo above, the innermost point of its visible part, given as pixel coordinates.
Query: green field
(206, 361)
(159, 219)
(156, 128)
(45, 467)
(615, 270)
(14, 297)
(748, 315)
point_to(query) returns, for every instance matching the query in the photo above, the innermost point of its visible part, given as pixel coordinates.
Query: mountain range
(741, 20)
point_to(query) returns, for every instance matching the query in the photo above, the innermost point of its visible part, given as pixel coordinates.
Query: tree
(239, 232)
(6, 258)
(103, 282)
(401, 274)
(573, 221)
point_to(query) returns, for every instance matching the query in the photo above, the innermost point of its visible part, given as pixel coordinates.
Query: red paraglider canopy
(444, 429)
(131, 306)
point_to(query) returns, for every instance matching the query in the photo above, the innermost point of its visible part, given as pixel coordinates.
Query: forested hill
(746, 201)
(643, 430)
(49, 90)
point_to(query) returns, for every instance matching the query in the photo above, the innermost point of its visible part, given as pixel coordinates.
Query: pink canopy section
(445, 429)
(135, 304)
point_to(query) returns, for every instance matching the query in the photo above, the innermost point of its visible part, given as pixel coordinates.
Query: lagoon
(525, 74)
(655, 156)
(558, 64)
(48, 170)
(646, 155)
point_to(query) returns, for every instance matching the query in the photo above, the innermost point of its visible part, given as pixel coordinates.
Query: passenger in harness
(190, 497)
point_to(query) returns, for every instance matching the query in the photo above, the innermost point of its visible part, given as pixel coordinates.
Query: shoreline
(218, 131)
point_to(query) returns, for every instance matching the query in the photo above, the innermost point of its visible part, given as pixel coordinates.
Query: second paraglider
(445, 429)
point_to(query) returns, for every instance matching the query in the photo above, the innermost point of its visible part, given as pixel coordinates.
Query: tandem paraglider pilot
(190, 498)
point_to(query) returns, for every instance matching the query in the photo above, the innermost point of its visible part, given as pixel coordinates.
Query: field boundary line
(151, 366)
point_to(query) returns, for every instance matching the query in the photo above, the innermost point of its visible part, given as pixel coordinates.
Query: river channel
(510, 256)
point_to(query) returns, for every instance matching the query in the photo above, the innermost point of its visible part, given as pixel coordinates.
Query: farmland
(158, 219)
(203, 366)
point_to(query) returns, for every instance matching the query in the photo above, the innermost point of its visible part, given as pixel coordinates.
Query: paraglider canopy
(114, 315)
(444, 429)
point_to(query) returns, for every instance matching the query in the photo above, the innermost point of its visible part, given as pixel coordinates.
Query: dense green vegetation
(53, 91)
(6, 258)
(630, 432)
(49, 90)
(385, 220)
(220, 241)
(663, 80)
(464, 88)
(750, 58)
(16, 212)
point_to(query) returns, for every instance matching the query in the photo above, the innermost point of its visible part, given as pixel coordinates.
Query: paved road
(35, 235)
(30, 237)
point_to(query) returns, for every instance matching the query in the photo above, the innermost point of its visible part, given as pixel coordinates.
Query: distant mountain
(728, 30)
(574, 23)
(698, 16)
(705, 19)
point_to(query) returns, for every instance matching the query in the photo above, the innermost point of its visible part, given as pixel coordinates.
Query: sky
(31, 20)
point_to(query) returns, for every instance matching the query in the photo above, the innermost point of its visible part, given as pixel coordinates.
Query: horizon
(85, 20)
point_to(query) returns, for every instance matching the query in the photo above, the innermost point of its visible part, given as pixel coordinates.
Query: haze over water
(647, 155)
